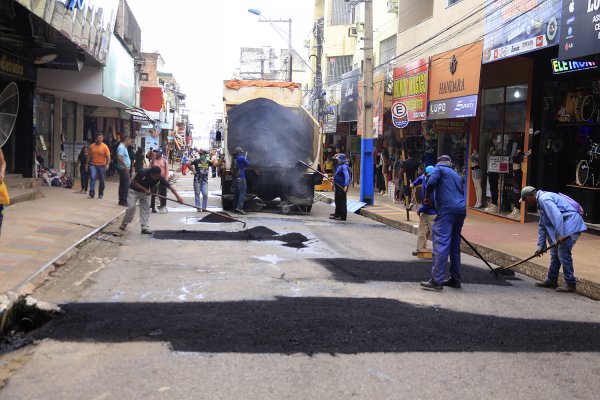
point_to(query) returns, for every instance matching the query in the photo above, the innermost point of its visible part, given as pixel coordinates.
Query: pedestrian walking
(124, 168)
(426, 213)
(200, 169)
(184, 161)
(99, 163)
(140, 191)
(84, 168)
(445, 192)
(397, 177)
(341, 181)
(139, 160)
(238, 170)
(160, 162)
(410, 166)
(214, 160)
(561, 224)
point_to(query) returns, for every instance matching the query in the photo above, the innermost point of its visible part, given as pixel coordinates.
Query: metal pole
(290, 58)
(366, 144)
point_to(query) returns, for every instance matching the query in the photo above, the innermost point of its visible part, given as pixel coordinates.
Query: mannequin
(476, 177)
(517, 179)
(493, 181)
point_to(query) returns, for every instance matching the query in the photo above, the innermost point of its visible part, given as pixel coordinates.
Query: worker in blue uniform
(445, 191)
(560, 223)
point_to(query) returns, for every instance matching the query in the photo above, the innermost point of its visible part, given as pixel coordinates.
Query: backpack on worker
(573, 203)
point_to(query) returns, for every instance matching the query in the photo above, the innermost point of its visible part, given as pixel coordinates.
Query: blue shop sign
(458, 107)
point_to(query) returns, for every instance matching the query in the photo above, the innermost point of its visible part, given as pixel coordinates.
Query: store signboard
(119, 75)
(455, 73)
(349, 100)
(331, 117)
(88, 24)
(514, 27)
(378, 104)
(498, 164)
(459, 107)
(410, 87)
(562, 67)
(580, 29)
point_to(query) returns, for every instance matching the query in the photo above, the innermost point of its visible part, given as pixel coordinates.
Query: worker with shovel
(445, 190)
(341, 180)
(139, 189)
(560, 223)
(426, 213)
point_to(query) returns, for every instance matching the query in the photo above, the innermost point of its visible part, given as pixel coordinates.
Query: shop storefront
(453, 103)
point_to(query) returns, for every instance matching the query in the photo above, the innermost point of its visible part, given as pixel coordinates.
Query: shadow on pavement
(316, 325)
(362, 271)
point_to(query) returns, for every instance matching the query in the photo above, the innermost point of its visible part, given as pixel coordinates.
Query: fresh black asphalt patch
(218, 217)
(316, 325)
(362, 271)
(258, 233)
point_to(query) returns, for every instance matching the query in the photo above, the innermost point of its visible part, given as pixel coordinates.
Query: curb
(584, 287)
(9, 298)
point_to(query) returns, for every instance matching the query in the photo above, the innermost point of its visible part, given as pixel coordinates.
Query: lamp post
(271, 21)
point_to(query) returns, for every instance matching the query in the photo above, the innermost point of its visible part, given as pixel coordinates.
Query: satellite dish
(9, 107)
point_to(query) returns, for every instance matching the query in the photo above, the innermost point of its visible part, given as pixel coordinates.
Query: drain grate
(258, 233)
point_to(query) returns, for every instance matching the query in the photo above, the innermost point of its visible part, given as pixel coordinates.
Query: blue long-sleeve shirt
(448, 191)
(427, 209)
(242, 164)
(342, 176)
(558, 218)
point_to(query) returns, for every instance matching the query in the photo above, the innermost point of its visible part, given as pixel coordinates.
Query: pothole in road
(258, 233)
(22, 317)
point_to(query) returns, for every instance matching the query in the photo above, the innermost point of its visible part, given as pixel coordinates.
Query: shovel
(480, 256)
(318, 172)
(212, 212)
(523, 261)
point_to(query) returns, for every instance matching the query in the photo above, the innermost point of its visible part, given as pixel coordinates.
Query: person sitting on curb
(139, 190)
(426, 213)
(449, 201)
(341, 181)
(561, 224)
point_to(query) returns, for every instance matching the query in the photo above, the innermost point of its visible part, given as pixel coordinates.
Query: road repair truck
(266, 119)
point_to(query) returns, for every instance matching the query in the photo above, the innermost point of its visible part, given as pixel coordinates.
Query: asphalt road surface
(295, 307)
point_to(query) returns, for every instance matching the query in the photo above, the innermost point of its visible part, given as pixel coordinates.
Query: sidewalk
(501, 242)
(37, 233)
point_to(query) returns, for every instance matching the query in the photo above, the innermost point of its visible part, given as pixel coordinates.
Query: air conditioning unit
(392, 6)
(352, 31)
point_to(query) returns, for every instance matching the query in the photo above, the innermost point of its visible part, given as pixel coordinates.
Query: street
(335, 313)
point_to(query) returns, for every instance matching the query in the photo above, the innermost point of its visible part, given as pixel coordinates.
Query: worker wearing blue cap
(426, 212)
(445, 191)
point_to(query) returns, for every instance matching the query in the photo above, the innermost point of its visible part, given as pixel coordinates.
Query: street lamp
(271, 21)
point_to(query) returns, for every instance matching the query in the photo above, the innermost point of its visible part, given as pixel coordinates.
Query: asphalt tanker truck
(267, 120)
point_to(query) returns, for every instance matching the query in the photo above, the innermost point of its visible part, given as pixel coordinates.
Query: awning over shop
(140, 115)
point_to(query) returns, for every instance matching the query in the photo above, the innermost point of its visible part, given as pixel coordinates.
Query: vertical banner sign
(410, 90)
(514, 27)
(580, 29)
(378, 104)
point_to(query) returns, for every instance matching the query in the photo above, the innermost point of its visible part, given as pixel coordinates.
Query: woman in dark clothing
(139, 159)
(84, 171)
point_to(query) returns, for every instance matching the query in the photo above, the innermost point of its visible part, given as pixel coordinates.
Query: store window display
(504, 112)
(476, 177)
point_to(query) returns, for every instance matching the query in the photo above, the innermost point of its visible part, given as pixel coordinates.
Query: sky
(200, 42)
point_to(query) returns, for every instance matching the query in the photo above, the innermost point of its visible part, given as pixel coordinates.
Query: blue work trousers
(239, 193)
(201, 187)
(97, 172)
(446, 242)
(561, 255)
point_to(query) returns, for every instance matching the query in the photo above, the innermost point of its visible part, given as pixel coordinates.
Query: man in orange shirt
(99, 162)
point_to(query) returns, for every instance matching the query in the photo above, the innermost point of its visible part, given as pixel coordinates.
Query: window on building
(143, 76)
(336, 67)
(341, 13)
(387, 49)
(452, 2)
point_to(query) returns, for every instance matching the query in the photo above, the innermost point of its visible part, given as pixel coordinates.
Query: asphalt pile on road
(257, 233)
(217, 218)
(362, 271)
